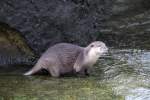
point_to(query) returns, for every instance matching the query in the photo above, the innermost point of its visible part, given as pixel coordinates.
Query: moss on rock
(13, 48)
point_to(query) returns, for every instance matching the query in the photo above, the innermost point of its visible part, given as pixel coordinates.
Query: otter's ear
(79, 62)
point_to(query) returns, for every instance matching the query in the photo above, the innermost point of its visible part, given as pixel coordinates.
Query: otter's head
(98, 47)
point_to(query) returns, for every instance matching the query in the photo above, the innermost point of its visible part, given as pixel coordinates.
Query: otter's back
(65, 52)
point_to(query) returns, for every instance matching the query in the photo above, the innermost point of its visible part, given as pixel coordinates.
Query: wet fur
(64, 58)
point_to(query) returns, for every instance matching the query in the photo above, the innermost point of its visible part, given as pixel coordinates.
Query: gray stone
(13, 49)
(46, 22)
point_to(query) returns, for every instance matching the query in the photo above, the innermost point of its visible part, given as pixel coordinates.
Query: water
(122, 75)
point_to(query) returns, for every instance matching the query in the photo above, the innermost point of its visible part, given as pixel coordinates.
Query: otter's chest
(91, 58)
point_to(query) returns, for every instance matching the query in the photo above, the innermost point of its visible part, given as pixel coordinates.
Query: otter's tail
(35, 69)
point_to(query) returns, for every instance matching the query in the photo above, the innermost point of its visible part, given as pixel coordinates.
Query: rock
(13, 49)
(128, 28)
(46, 22)
(125, 6)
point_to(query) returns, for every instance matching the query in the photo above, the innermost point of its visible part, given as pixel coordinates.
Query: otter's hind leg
(54, 71)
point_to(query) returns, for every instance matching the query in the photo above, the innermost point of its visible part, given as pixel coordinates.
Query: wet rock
(13, 49)
(125, 6)
(128, 27)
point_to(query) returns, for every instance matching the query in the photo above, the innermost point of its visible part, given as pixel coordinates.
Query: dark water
(122, 75)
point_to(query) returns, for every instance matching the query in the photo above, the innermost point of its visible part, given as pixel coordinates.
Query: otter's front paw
(87, 73)
(82, 74)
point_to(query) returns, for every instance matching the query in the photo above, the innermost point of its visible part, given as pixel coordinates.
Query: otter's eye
(92, 45)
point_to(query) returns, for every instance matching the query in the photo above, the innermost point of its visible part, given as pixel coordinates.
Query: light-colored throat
(92, 54)
(91, 57)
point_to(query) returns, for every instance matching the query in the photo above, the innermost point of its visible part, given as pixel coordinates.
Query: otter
(64, 58)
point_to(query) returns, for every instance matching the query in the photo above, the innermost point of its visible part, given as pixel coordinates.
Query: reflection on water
(129, 75)
(123, 75)
(139, 94)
